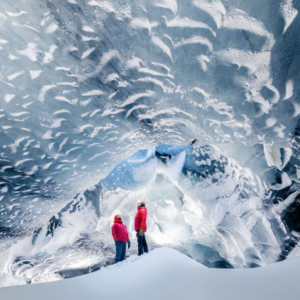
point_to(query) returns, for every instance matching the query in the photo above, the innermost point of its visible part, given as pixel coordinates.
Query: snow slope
(167, 274)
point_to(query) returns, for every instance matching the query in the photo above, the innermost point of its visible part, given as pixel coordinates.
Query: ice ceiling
(85, 84)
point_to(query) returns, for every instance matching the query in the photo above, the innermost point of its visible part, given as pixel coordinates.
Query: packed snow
(167, 274)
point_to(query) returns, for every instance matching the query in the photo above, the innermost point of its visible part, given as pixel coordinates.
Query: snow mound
(167, 274)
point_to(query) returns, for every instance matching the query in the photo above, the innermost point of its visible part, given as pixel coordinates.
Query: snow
(167, 274)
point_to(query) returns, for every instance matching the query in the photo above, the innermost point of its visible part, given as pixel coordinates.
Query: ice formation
(86, 84)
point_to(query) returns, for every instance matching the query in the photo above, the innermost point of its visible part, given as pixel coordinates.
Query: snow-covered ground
(167, 274)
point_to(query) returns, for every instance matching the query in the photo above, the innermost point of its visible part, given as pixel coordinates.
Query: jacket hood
(116, 220)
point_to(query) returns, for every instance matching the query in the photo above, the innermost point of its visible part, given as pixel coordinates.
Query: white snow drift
(167, 274)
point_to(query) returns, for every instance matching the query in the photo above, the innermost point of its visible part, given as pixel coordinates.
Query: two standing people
(121, 237)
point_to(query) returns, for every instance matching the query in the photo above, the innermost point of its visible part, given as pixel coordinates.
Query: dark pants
(142, 243)
(120, 251)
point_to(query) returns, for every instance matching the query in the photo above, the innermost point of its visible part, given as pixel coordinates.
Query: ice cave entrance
(199, 202)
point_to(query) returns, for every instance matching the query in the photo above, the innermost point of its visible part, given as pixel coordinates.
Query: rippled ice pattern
(86, 84)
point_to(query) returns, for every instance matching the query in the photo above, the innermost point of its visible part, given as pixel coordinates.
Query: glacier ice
(86, 84)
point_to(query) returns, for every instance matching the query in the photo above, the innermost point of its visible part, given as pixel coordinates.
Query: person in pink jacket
(121, 237)
(140, 226)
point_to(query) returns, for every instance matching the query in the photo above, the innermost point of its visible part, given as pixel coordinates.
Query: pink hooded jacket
(119, 231)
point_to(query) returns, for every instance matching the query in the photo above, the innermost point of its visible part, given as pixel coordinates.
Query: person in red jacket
(121, 237)
(140, 226)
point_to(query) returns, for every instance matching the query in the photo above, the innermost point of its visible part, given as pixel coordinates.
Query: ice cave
(192, 106)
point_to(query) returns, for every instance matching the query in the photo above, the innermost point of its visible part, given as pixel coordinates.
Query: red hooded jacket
(119, 231)
(141, 219)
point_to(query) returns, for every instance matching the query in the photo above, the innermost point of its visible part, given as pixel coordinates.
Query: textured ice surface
(85, 84)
